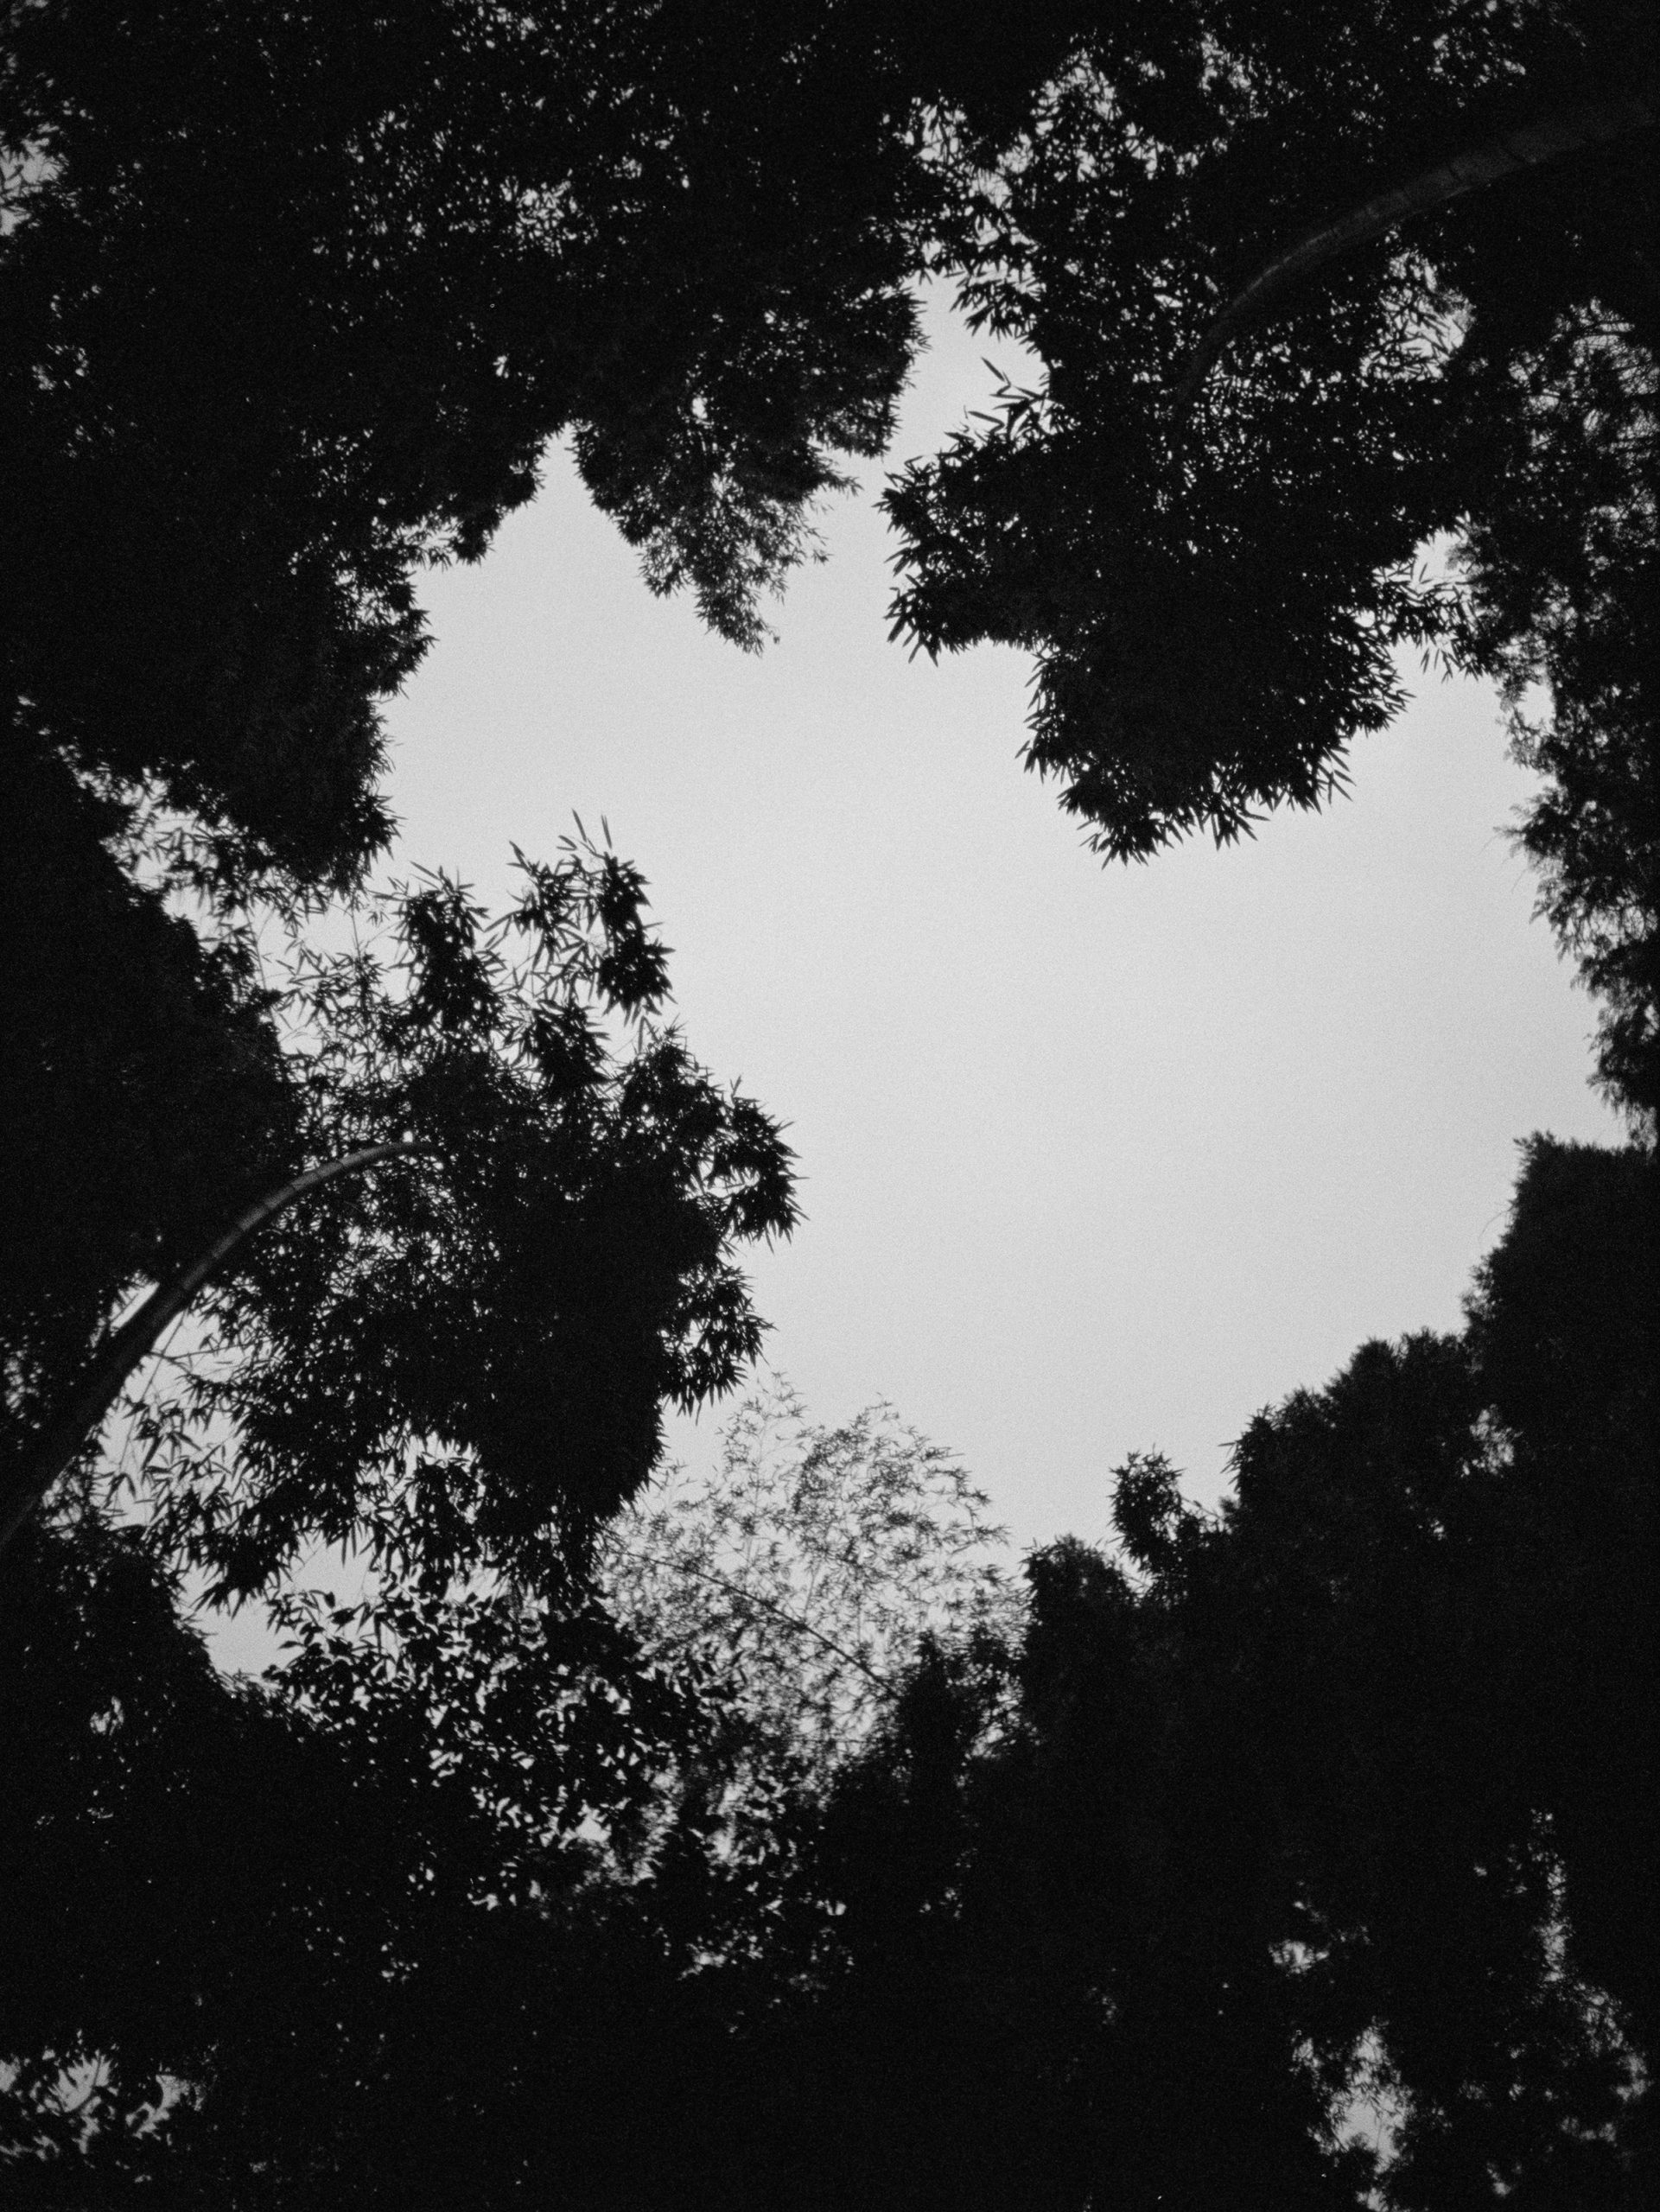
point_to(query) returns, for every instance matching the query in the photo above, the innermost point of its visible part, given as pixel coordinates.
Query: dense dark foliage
(1216, 586)
(1342, 1799)
(1345, 1794)
(256, 1913)
(140, 1083)
(291, 301)
(296, 298)
(543, 1873)
(462, 1359)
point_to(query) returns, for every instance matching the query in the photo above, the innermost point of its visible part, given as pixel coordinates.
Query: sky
(1093, 1159)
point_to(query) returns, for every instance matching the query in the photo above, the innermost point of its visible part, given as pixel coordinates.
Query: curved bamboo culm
(69, 1432)
(791, 1620)
(1258, 301)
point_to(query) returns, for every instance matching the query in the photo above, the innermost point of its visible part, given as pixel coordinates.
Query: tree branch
(1260, 300)
(790, 1620)
(66, 1434)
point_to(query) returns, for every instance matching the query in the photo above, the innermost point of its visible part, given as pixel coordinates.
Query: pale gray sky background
(1093, 1159)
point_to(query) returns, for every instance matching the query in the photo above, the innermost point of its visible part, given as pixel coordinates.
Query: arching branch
(66, 1434)
(1260, 300)
(790, 1620)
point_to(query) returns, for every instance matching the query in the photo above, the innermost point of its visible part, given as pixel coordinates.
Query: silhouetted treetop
(1137, 1890)
(462, 1360)
(1178, 152)
(1215, 571)
(293, 299)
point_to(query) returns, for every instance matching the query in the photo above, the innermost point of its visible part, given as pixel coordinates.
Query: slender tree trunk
(69, 1431)
(1260, 300)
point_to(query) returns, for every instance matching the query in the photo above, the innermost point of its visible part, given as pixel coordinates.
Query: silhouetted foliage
(1564, 1327)
(1344, 1795)
(1139, 1893)
(239, 1919)
(462, 1360)
(142, 1080)
(294, 300)
(544, 1872)
(808, 1564)
(291, 301)
(1215, 584)
(518, 1883)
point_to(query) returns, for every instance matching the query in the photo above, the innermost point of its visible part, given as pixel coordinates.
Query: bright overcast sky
(1092, 1159)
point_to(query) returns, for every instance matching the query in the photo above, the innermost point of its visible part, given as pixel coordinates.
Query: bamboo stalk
(69, 1432)
(1260, 300)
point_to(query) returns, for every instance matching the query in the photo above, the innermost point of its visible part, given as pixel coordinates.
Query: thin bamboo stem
(69, 1432)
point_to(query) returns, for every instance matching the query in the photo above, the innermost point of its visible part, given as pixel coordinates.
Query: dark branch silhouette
(1260, 300)
(137, 1336)
(790, 1620)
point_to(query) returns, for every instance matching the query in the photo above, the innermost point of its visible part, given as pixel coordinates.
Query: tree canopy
(1150, 1885)
(1215, 570)
(765, 1843)
(293, 302)
(461, 1360)
(292, 305)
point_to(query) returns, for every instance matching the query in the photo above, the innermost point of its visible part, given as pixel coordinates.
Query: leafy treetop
(462, 1359)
